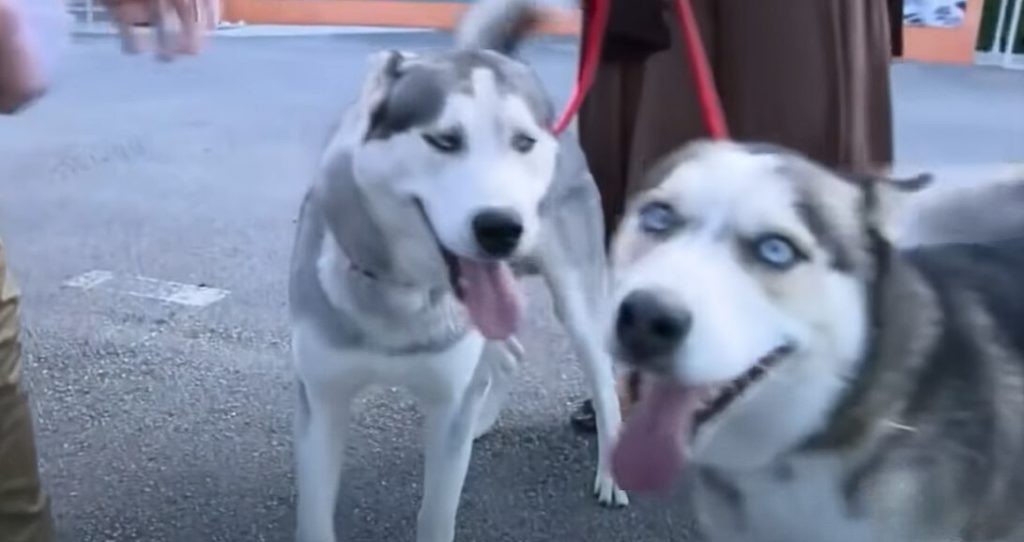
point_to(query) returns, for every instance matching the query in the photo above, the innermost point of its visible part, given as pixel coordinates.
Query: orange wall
(946, 45)
(955, 45)
(368, 12)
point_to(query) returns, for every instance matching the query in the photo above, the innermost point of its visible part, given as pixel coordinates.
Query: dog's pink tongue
(651, 452)
(489, 292)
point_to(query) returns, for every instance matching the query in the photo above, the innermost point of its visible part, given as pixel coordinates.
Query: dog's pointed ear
(386, 67)
(965, 204)
(888, 196)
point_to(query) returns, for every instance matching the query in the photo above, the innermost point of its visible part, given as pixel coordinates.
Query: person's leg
(602, 131)
(607, 122)
(24, 507)
(166, 46)
(125, 15)
(209, 14)
(811, 75)
(668, 113)
(606, 130)
(637, 112)
(189, 41)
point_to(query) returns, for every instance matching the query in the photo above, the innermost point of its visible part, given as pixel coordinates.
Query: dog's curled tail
(500, 25)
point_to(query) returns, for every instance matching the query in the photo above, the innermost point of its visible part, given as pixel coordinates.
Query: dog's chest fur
(800, 500)
(392, 318)
(810, 498)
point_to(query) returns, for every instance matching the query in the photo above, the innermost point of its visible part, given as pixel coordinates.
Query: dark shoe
(583, 418)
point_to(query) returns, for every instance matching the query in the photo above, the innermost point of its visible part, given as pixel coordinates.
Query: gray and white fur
(434, 141)
(840, 383)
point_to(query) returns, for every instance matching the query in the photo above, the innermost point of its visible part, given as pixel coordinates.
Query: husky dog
(824, 383)
(441, 179)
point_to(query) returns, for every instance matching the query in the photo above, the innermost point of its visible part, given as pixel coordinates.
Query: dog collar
(356, 268)
(369, 274)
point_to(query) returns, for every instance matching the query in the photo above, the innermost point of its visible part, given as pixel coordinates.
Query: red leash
(710, 106)
(596, 25)
(707, 93)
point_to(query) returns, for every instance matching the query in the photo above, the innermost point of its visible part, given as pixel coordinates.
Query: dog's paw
(608, 493)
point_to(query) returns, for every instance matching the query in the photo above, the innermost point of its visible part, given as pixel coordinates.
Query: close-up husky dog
(442, 178)
(822, 382)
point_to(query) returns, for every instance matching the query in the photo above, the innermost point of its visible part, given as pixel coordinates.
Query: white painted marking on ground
(90, 280)
(149, 288)
(172, 292)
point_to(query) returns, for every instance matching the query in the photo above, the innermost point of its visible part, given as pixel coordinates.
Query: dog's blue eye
(449, 142)
(776, 251)
(658, 218)
(523, 143)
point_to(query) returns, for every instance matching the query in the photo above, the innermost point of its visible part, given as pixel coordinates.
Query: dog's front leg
(448, 447)
(321, 425)
(579, 310)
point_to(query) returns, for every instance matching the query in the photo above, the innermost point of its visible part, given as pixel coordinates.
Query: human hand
(31, 35)
(187, 40)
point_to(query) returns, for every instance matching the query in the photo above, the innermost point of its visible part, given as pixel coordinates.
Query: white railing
(999, 48)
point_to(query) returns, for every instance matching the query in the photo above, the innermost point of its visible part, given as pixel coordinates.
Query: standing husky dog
(826, 385)
(440, 177)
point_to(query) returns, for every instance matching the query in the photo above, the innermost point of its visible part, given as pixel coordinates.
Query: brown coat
(812, 75)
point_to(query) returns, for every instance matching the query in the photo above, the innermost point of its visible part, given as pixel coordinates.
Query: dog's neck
(901, 305)
(367, 273)
(361, 270)
(351, 222)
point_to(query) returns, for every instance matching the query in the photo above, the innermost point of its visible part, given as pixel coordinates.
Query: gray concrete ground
(165, 422)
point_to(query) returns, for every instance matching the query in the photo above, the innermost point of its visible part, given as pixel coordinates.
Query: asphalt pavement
(148, 213)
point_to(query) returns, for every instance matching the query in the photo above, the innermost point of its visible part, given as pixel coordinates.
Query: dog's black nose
(648, 327)
(498, 231)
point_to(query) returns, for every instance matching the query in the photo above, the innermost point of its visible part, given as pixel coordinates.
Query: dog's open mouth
(451, 261)
(716, 399)
(486, 288)
(651, 450)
